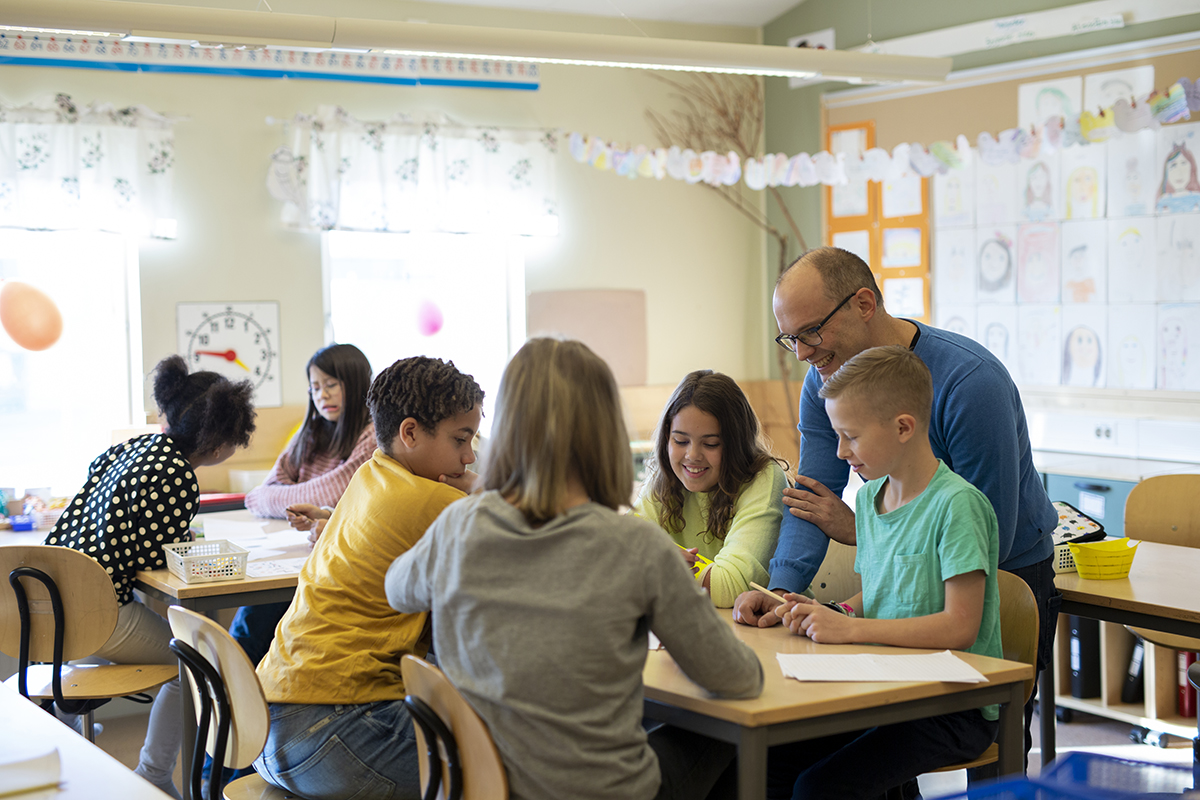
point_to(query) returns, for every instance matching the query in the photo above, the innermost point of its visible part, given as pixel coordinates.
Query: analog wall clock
(238, 340)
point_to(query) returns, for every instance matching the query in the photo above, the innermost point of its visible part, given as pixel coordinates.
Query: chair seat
(253, 787)
(1171, 640)
(989, 756)
(95, 681)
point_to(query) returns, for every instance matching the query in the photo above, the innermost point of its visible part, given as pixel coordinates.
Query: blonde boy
(927, 553)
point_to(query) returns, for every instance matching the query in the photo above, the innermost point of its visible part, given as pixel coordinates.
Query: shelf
(1132, 713)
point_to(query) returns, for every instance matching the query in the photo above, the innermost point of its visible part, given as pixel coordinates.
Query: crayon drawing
(1084, 346)
(1036, 102)
(1131, 260)
(995, 267)
(958, 319)
(1084, 175)
(1039, 360)
(1102, 89)
(857, 242)
(1179, 178)
(1131, 332)
(1084, 261)
(954, 197)
(995, 194)
(953, 266)
(902, 247)
(997, 328)
(1178, 259)
(1132, 170)
(1178, 332)
(1037, 189)
(1037, 263)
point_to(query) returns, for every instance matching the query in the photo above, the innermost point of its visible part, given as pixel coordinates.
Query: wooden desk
(1159, 594)
(791, 711)
(88, 773)
(206, 597)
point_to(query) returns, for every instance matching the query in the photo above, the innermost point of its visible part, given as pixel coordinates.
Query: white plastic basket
(209, 560)
(1063, 560)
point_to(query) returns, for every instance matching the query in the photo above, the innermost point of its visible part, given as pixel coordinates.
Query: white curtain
(97, 168)
(404, 175)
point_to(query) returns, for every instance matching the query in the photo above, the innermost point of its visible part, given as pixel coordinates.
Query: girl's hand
(315, 533)
(302, 516)
(822, 508)
(689, 555)
(795, 610)
(464, 481)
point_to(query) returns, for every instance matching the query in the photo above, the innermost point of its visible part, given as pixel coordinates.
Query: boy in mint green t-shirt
(928, 545)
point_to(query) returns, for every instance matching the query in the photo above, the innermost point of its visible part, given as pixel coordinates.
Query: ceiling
(749, 13)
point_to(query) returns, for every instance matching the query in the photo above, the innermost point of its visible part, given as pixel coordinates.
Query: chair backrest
(89, 602)
(836, 579)
(1020, 623)
(483, 776)
(249, 719)
(1165, 509)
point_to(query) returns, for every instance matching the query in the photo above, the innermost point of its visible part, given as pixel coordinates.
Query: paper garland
(876, 164)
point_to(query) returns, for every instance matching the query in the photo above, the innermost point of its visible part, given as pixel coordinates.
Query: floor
(122, 738)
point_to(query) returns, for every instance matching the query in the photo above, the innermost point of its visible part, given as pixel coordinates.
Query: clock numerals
(237, 340)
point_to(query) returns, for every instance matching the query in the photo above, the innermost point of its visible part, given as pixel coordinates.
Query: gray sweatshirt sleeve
(409, 584)
(693, 633)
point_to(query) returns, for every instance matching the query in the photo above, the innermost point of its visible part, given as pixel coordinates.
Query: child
(713, 486)
(332, 674)
(927, 553)
(336, 438)
(542, 596)
(141, 494)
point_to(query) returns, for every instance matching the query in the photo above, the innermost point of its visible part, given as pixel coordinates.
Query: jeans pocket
(332, 772)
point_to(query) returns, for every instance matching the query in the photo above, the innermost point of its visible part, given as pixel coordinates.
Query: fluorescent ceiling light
(468, 41)
(56, 31)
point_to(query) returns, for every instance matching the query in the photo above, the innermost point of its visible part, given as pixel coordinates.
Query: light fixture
(468, 41)
(22, 29)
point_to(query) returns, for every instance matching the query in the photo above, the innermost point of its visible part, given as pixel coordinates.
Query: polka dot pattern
(139, 495)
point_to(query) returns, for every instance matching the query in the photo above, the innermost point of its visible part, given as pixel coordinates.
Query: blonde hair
(893, 379)
(558, 414)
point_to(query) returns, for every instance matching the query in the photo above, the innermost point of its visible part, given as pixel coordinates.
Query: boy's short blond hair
(892, 379)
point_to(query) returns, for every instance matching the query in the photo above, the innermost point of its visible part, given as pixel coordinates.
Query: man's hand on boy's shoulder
(815, 503)
(464, 481)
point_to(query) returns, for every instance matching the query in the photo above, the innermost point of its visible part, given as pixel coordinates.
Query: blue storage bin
(1018, 789)
(1115, 778)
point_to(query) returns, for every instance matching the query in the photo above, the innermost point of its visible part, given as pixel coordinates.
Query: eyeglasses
(812, 336)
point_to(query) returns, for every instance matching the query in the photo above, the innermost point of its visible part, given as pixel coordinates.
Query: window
(459, 297)
(59, 406)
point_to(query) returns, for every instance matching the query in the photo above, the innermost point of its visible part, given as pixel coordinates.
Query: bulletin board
(1074, 269)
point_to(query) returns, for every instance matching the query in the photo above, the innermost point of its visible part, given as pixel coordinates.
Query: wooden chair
(461, 761)
(836, 579)
(62, 606)
(1165, 509)
(224, 686)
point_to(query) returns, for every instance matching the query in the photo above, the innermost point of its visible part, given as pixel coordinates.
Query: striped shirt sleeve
(321, 480)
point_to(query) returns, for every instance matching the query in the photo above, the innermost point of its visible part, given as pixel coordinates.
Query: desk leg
(189, 732)
(1011, 736)
(1046, 695)
(752, 764)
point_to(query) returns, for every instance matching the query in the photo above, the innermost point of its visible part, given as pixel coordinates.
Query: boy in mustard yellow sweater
(332, 675)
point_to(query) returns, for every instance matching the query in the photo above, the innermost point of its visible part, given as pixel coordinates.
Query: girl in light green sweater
(713, 485)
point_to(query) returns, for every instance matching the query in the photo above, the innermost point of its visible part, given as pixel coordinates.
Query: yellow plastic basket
(1106, 560)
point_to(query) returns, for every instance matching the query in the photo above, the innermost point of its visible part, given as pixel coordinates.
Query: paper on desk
(234, 530)
(26, 770)
(269, 569)
(258, 554)
(287, 538)
(943, 666)
(655, 642)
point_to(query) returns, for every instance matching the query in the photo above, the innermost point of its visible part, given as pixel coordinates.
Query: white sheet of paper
(655, 643)
(258, 554)
(943, 666)
(234, 530)
(287, 538)
(268, 569)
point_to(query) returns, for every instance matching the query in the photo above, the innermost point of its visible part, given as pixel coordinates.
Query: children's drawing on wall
(1132, 171)
(1058, 98)
(902, 196)
(1178, 259)
(995, 194)
(953, 266)
(902, 247)
(1132, 271)
(848, 199)
(1037, 190)
(1131, 340)
(857, 242)
(1037, 263)
(1084, 261)
(997, 328)
(958, 319)
(995, 264)
(1084, 186)
(1039, 359)
(1101, 90)
(1178, 329)
(954, 196)
(904, 297)
(1084, 346)
(1179, 189)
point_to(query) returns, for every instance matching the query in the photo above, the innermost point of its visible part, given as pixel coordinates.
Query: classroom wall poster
(996, 328)
(954, 196)
(1178, 262)
(902, 247)
(857, 242)
(1084, 172)
(1132, 167)
(1038, 192)
(1103, 89)
(995, 194)
(957, 318)
(902, 196)
(1084, 346)
(954, 278)
(1084, 261)
(1038, 278)
(1036, 102)
(1038, 344)
(1132, 260)
(1178, 184)
(1178, 347)
(1131, 337)
(995, 264)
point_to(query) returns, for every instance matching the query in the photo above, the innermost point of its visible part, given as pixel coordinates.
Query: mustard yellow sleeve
(750, 541)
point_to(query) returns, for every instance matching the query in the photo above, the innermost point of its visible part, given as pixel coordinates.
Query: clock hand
(228, 355)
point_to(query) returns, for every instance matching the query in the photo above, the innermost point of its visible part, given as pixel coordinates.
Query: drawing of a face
(1131, 357)
(1172, 359)
(957, 325)
(1133, 178)
(1179, 172)
(996, 340)
(1113, 90)
(1051, 102)
(1077, 262)
(1039, 179)
(995, 265)
(1081, 357)
(954, 200)
(1081, 192)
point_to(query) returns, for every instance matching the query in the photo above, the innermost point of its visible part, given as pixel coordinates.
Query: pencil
(767, 591)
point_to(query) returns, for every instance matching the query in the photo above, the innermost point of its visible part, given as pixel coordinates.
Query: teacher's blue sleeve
(802, 545)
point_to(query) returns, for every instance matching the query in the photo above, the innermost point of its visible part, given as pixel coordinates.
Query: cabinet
(1103, 500)
(1157, 711)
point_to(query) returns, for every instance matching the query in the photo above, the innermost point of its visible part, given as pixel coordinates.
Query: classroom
(260, 197)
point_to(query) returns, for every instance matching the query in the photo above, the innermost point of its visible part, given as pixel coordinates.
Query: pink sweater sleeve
(321, 481)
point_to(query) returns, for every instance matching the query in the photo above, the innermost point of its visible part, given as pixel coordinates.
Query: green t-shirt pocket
(908, 571)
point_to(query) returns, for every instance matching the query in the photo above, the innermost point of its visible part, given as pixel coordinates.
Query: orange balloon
(29, 315)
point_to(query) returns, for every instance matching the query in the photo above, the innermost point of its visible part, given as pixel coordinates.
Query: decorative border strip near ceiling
(265, 62)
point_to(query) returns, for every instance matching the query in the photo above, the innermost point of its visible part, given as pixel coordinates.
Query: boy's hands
(806, 617)
(464, 481)
(822, 508)
(757, 609)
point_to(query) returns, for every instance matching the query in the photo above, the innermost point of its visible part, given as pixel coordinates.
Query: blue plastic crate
(1018, 789)
(1115, 778)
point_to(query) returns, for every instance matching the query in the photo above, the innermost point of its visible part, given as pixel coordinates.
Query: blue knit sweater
(977, 427)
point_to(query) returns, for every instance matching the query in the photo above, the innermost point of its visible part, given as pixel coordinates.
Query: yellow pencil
(766, 591)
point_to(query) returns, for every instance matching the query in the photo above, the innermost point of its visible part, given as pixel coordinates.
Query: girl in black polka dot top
(142, 494)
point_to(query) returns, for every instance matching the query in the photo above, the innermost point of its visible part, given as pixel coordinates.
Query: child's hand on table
(464, 481)
(304, 516)
(806, 617)
(757, 609)
(689, 555)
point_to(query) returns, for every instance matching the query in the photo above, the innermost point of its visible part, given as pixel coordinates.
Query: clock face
(237, 340)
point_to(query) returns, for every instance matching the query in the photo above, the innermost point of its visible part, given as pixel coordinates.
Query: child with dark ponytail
(140, 495)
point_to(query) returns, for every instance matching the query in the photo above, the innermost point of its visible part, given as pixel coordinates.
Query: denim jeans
(340, 752)
(1040, 577)
(254, 627)
(866, 764)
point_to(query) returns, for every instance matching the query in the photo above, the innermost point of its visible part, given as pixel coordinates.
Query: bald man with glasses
(829, 310)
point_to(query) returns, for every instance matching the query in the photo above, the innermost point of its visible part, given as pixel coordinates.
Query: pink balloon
(429, 318)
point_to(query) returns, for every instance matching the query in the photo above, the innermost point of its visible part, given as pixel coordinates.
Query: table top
(87, 771)
(1161, 583)
(787, 700)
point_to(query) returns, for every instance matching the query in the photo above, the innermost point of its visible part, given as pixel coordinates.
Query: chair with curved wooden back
(231, 710)
(62, 607)
(461, 761)
(1165, 509)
